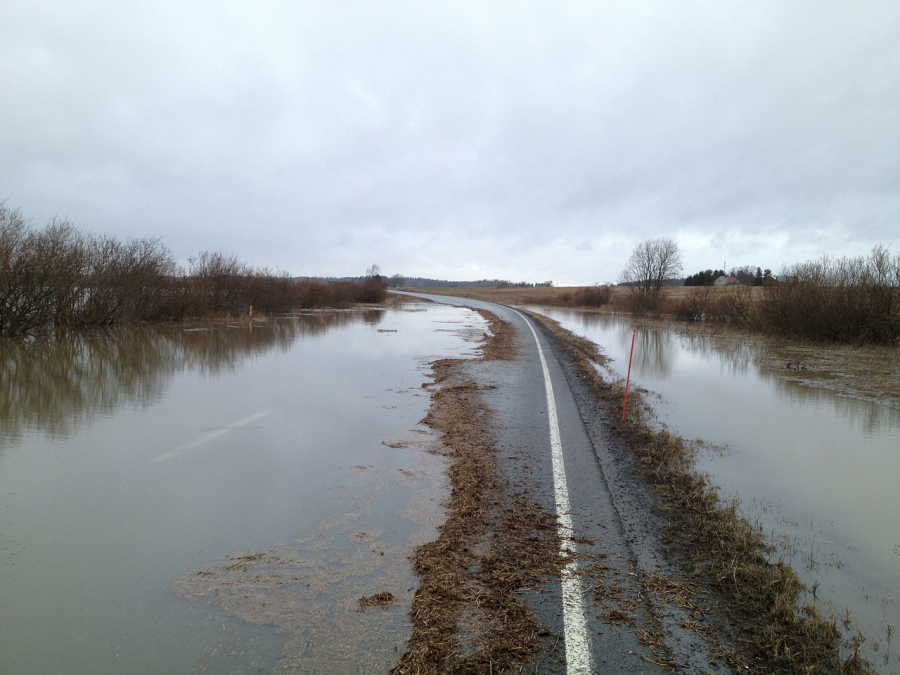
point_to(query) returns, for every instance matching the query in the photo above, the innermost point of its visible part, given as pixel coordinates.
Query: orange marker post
(628, 377)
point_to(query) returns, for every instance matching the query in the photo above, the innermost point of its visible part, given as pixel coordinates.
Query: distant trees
(705, 278)
(746, 275)
(57, 277)
(652, 263)
(750, 277)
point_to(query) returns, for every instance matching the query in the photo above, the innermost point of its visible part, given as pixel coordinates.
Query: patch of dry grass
(383, 599)
(467, 615)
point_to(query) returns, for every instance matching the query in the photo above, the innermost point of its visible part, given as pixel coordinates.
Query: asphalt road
(613, 528)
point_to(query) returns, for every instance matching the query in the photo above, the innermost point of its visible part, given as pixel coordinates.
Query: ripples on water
(56, 385)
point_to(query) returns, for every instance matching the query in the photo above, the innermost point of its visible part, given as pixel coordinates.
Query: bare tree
(373, 272)
(652, 262)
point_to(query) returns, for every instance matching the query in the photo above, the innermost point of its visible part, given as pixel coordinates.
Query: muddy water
(818, 471)
(134, 462)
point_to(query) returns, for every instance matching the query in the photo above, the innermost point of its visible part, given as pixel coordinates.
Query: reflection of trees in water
(654, 350)
(747, 357)
(654, 353)
(55, 385)
(736, 357)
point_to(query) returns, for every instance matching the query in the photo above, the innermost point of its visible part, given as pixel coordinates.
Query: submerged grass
(773, 632)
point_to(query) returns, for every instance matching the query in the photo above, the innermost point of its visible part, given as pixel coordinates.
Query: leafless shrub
(313, 293)
(854, 300)
(271, 291)
(41, 273)
(694, 306)
(58, 277)
(638, 301)
(733, 305)
(125, 282)
(16, 303)
(372, 290)
(592, 296)
(217, 282)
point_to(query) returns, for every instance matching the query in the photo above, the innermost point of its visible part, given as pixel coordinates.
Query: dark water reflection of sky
(130, 457)
(817, 470)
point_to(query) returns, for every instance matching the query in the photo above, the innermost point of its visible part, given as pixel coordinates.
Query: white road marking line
(578, 653)
(212, 435)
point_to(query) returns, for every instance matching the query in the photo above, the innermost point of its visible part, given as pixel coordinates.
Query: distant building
(726, 280)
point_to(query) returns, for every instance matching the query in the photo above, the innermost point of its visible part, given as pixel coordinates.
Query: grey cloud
(532, 140)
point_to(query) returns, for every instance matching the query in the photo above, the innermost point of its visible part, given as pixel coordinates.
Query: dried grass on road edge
(467, 615)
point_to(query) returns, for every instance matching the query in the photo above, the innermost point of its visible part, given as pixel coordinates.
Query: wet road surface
(612, 606)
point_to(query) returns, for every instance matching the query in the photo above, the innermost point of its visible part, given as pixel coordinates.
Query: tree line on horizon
(58, 277)
(745, 275)
(401, 281)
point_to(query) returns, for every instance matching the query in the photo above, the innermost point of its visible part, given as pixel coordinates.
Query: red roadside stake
(628, 378)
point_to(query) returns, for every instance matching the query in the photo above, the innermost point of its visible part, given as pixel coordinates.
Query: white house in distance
(726, 280)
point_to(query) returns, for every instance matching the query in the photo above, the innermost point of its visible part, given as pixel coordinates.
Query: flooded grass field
(218, 499)
(814, 468)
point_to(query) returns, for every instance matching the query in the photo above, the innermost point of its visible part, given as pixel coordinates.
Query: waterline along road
(615, 603)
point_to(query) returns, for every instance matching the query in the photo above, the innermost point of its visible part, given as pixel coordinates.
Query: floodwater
(817, 471)
(136, 462)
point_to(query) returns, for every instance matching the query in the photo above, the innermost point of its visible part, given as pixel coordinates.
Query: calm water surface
(816, 470)
(129, 458)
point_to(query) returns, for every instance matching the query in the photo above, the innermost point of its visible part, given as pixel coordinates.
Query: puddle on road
(130, 457)
(814, 468)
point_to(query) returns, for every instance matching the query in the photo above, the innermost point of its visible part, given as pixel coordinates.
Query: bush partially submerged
(850, 300)
(839, 299)
(58, 277)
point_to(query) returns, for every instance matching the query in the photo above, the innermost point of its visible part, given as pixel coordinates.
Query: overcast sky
(461, 140)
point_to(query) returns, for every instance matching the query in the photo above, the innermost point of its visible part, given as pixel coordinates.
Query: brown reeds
(716, 545)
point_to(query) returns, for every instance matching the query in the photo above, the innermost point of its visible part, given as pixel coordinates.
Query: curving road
(612, 605)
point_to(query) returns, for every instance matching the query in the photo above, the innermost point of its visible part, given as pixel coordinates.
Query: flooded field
(815, 469)
(218, 499)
